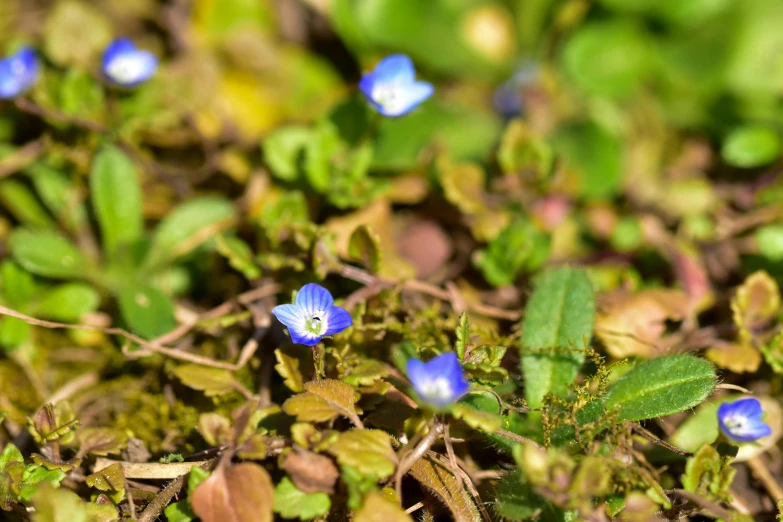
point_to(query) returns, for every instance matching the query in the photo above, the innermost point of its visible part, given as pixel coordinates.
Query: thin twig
(131, 504)
(703, 503)
(762, 473)
(518, 438)
(410, 458)
(21, 157)
(415, 507)
(656, 440)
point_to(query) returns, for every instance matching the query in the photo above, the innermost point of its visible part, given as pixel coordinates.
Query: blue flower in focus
(312, 316)
(18, 73)
(741, 420)
(127, 66)
(392, 87)
(439, 382)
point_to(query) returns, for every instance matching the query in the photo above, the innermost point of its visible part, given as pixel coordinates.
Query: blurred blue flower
(392, 87)
(127, 66)
(741, 420)
(312, 316)
(18, 73)
(440, 381)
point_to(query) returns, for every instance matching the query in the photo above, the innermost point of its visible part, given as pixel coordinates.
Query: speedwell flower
(741, 420)
(313, 315)
(440, 381)
(18, 73)
(392, 87)
(126, 65)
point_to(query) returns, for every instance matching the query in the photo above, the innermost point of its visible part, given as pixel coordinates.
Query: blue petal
(18, 73)
(290, 315)
(448, 365)
(413, 94)
(305, 338)
(338, 319)
(417, 373)
(314, 298)
(397, 68)
(749, 407)
(127, 66)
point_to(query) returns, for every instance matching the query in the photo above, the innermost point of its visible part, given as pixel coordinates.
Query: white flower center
(389, 96)
(316, 323)
(126, 69)
(736, 424)
(437, 390)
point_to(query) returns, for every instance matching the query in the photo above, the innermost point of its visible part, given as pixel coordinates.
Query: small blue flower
(18, 73)
(440, 381)
(127, 66)
(313, 316)
(392, 87)
(741, 420)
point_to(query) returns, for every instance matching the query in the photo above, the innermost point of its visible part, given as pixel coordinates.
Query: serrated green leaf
(291, 502)
(661, 387)
(557, 326)
(288, 368)
(463, 336)
(47, 254)
(109, 480)
(212, 381)
(147, 310)
(116, 197)
(368, 451)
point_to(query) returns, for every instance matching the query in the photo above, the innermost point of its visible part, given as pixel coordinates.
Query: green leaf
(115, 191)
(34, 476)
(101, 441)
(518, 246)
(322, 401)
(522, 151)
(595, 156)
(751, 146)
(709, 475)
(212, 381)
(322, 146)
(608, 58)
(81, 95)
(13, 332)
(556, 329)
(368, 451)
(189, 225)
(239, 255)
(291, 502)
(769, 240)
(10, 455)
(67, 302)
(110, 480)
(147, 310)
(463, 336)
(283, 150)
(22, 204)
(661, 387)
(477, 419)
(59, 194)
(18, 285)
(61, 505)
(179, 512)
(516, 500)
(47, 254)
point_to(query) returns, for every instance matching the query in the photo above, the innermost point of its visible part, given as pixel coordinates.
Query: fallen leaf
(241, 493)
(311, 472)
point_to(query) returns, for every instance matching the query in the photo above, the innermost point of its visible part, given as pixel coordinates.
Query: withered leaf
(322, 401)
(241, 493)
(737, 357)
(757, 300)
(101, 441)
(311, 472)
(436, 478)
(215, 428)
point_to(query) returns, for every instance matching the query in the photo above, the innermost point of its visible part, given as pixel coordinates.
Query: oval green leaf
(660, 387)
(68, 302)
(47, 254)
(147, 310)
(751, 146)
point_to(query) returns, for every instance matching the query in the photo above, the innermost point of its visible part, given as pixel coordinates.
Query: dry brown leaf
(634, 324)
(241, 493)
(311, 472)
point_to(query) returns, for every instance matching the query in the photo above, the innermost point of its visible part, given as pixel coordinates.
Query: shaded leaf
(22, 204)
(440, 481)
(377, 508)
(61, 505)
(283, 149)
(101, 441)
(288, 368)
(364, 246)
(212, 381)
(239, 255)
(481, 420)
(310, 471)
